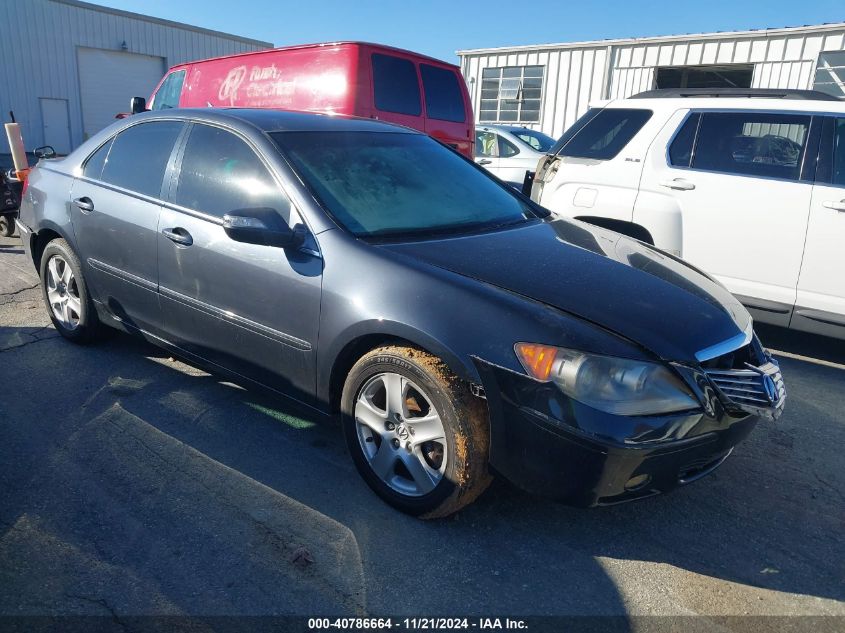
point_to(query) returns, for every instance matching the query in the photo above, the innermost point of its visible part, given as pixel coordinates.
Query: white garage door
(108, 79)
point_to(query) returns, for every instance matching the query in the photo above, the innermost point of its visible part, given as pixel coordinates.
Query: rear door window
(839, 153)
(485, 144)
(605, 134)
(170, 91)
(139, 156)
(94, 165)
(769, 145)
(831, 163)
(507, 149)
(221, 173)
(443, 97)
(396, 85)
(680, 151)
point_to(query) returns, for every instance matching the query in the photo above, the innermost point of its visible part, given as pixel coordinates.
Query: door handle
(484, 161)
(85, 204)
(178, 235)
(678, 183)
(832, 204)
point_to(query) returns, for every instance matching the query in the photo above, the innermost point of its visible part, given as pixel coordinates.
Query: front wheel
(417, 435)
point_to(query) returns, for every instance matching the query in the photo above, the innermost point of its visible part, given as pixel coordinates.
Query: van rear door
(448, 118)
(397, 97)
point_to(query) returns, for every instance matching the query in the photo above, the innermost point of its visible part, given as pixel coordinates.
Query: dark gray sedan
(364, 269)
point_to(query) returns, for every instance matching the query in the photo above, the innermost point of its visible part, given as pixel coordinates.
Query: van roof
(265, 51)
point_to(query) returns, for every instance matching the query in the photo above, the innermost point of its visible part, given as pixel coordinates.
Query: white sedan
(509, 151)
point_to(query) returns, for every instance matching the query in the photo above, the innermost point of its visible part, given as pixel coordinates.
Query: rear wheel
(7, 225)
(416, 434)
(66, 294)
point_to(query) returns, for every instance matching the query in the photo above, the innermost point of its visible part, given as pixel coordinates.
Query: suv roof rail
(765, 93)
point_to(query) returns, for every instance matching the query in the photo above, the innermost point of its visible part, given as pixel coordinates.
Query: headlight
(614, 385)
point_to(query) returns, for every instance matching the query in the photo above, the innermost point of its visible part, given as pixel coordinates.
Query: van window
(170, 91)
(139, 156)
(443, 97)
(94, 165)
(752, 143)
(680, 151)
(221, 173)
(604, 135)
(395, 84)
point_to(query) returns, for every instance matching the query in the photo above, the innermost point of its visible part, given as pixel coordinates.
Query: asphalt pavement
(134, 484)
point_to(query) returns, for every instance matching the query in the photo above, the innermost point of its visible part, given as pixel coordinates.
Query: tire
(428, 478)
(66, 295)
(7, 225)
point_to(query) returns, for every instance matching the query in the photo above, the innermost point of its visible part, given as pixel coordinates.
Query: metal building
(548, 87)
(68, 67)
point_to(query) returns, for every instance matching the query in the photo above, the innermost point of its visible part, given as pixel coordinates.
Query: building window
(830, 73)
(511, 94)
(728, 76)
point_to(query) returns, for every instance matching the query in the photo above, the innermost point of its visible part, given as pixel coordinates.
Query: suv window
(170, 91)
(680, 151)
(839, 153)
(605, 134)
(139, 156)
(443, 97)
(221, 173)
(396, 86)
(94, 165)
(507, 149)
(752, 143)
(485, 144)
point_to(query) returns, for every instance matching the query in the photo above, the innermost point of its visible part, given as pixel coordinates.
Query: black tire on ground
(7, 225)
(465, 424)
(88, 328)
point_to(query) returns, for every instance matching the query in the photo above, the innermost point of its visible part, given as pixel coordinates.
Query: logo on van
(231, 84)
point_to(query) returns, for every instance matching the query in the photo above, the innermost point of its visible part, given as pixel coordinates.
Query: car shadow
(174, 478)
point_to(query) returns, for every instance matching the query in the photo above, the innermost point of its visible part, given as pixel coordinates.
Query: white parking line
(807, 359)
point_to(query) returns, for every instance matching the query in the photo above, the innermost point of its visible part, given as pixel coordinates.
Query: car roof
(667, 104)
(268, 120)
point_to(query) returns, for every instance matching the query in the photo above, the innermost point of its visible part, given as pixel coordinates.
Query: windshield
(390, 184)
(532, 138)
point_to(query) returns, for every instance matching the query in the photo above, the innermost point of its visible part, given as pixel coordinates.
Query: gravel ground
(134, 484)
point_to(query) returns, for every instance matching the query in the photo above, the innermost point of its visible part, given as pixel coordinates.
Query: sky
(440, 27)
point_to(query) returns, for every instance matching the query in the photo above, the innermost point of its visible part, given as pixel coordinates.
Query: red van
(345, 78)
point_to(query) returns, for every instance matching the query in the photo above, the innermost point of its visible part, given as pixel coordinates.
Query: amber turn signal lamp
(537, 359)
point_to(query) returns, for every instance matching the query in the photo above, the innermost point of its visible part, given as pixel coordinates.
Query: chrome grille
(756, 390)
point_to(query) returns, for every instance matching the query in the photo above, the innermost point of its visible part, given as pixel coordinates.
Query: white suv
(749, 187)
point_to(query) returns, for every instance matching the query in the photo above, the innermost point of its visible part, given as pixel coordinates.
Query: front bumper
(550, 445)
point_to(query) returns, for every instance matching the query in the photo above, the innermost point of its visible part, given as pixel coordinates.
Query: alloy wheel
(63, 293)
(401, 434)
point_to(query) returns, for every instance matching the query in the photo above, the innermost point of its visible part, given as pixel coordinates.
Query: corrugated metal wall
(38, 54)
(577, 74)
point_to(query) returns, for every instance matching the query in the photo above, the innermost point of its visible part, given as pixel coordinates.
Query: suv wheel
(416, 434)
(66, 294)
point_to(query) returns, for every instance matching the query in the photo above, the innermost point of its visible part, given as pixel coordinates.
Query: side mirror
(45, 151)
(137, 105)
(263, 226)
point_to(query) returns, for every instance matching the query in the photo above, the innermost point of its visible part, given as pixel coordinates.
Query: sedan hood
(616, 282)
